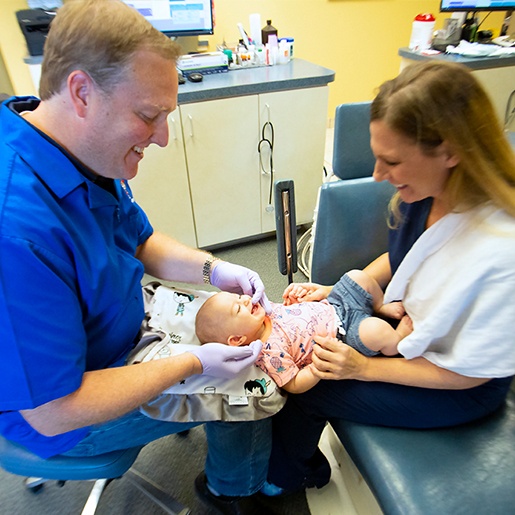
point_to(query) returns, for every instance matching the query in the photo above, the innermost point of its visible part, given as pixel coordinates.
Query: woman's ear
(80, 88)
(236, 341)
(452, 159)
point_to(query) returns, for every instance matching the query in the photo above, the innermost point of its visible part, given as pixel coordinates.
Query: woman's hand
(333, 359)
(305, 292)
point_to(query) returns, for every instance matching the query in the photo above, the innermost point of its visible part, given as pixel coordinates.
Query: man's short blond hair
(99, 37)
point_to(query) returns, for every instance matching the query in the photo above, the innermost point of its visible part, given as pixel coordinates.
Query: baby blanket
(168, 330)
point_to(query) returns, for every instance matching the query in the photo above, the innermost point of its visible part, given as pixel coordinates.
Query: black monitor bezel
(489, 8)
(175, 33)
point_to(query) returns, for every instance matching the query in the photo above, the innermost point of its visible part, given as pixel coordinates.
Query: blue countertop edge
(475, 63)
(296, 74)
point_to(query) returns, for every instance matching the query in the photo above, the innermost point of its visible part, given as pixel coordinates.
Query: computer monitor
(177, 18)
(476, 5)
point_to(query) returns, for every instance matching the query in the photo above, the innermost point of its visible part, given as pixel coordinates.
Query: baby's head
(229, 318)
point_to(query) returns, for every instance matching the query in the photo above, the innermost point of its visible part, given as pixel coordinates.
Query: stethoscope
(265, 143)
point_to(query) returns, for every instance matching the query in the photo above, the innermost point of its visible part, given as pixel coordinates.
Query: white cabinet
(207, 186)
(220, 139)
(299, 119)
(162, 189)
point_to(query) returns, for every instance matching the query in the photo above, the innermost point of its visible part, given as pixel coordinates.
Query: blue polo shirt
(70, 285)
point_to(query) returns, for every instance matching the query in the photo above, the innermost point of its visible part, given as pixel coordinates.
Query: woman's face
(403, 164)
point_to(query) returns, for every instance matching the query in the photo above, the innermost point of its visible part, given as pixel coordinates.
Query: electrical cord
(304, 252)
(509, 114)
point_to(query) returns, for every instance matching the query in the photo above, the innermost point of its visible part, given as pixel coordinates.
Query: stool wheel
(33, 488)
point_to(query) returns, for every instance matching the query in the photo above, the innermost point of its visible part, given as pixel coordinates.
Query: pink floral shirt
(288, 348)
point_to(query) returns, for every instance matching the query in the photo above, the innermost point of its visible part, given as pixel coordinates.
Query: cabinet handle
(174, 128)
(268, 112)
(191, 125)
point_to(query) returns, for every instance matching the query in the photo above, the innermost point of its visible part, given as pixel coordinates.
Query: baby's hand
(305, 292)
(294, 294)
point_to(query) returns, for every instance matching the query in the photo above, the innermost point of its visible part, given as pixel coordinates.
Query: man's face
(122, 123)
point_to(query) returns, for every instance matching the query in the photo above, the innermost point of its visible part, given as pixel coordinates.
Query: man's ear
(236, 341)
(80, 88)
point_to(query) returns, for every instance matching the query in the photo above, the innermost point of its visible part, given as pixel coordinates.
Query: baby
(288, 331)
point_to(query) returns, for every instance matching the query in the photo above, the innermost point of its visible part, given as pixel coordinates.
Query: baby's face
(241, 316)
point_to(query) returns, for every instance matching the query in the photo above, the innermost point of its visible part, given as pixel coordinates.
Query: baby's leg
(378, 335)
(370, 285)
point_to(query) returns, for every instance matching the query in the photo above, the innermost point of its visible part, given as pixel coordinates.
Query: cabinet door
(161, 187)
(221, 138)
(299, 119)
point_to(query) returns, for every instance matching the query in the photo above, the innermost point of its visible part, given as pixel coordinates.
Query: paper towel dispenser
(34, 24)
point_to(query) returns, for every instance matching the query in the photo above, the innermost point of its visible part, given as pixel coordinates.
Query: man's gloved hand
(238, 279)
(220, 360)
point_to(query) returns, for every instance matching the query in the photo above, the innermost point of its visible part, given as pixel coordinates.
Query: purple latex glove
(221, 360)
(238, 279)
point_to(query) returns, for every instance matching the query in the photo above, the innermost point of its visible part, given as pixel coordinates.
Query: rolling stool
(102, 469)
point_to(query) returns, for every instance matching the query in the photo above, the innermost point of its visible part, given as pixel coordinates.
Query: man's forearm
(108, 394)
(170, 260)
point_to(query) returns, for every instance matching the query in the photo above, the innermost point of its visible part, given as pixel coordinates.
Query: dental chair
(468, 469)
(349, 230)
(102, 469)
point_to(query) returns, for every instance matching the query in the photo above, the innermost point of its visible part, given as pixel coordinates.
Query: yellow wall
(13, 47)
(358, 39)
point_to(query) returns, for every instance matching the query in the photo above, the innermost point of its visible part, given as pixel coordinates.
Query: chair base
(151, 489)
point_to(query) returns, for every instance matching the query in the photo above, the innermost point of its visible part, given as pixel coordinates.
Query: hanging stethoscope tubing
(267, 142)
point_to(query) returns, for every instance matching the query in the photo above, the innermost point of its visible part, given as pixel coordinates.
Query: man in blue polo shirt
(74, 247)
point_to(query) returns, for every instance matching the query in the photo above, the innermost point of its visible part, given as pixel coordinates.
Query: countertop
(251, 81)
(475, 63)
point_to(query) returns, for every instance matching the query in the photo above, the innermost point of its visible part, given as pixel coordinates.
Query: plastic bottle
(268, 30)
(284, 51)
(290, 41)
(255, 28)
(422, 32)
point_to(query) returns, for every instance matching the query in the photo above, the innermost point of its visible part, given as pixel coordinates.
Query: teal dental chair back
(350, 224)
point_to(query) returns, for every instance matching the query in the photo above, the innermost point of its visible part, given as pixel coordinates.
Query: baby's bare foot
(405, 326)
(392, 310)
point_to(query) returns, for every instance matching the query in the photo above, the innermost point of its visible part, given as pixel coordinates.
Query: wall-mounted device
(286, 227)
(34, 24)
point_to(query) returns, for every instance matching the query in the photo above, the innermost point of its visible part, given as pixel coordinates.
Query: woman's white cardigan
(458, 286)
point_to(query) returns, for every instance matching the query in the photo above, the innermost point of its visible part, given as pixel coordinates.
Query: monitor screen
(476, 5)
(177, 18)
